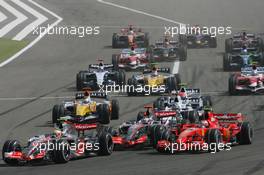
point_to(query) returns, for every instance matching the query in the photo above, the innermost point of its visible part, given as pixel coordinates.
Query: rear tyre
(226, 63)
(80, 78)
(207, 101)
(115, 61)
(57, 113)
(104, 113)
(191, 116)
(246, 134)
(155, 134)
(131, 87)
(121, 77)
(159, 104)
(114, 40)
(140, 116)
(260, 44)
(172, 84)
(115, 109)
(146, 40)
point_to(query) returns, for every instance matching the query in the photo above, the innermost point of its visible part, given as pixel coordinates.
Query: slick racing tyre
(9, 146)
(132, 85)
(213, 137)
(62, 152)
(246, 134)
(232, 85)
(146, 40)
(260, 44)
(191, 116)
(140, 116)
(115, 61)
(172, 84)
(115, 109)
(120, 77)
(155, 134)
(159, 104)
(183, 40)
(106, 144)
(103, 113)
(80, 78)
(57, 113)
(114, 40)
(226, 62)
(207, 101)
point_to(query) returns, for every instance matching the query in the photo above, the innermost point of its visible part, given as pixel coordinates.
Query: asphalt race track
(49, 68)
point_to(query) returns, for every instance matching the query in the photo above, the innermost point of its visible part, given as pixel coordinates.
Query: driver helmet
(244, 49)
(58, 133)
(205, 123)
(101, 66)
(244, 35)
(133, 52)
(155, 71)
(130, 28)
(182, 94)
(254, 70)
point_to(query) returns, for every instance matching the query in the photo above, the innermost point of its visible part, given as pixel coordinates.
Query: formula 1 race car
(196, 39)
(129, 37)
(142, 133)
(241, 58)
(217, 132)
(71, 141)
(250, 80)
(186, 101)
(131, 59)
(168, 49)
(244, 39)
(153, 81)
(83, 108)
(99, 76)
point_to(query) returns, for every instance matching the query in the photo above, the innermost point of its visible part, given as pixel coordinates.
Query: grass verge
(9, 47)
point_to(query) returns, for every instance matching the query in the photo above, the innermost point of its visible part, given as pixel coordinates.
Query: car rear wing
(96, 94)
(192, 91)
(163, 114)
(248, 70)
(96, 66)
(250, 49)
(229, 117)
(162, 70)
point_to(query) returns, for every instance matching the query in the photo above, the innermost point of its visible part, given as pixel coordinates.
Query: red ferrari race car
(70, 141)
(218, 132)
(130, 36)
(131, 59)
(250, 80)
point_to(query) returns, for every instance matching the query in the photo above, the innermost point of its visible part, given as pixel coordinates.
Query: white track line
(29, 28)
(38, 38)
(176, 64)
(2, 17)
(19, 18)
